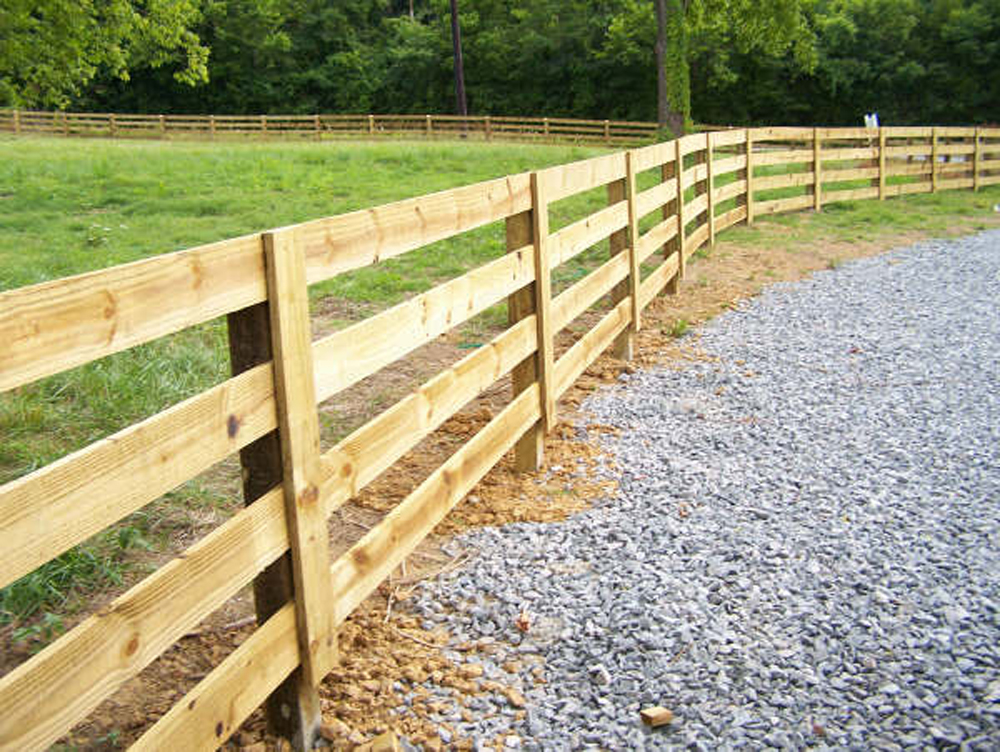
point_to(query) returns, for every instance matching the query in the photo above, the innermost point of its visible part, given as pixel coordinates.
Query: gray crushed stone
(806, 549)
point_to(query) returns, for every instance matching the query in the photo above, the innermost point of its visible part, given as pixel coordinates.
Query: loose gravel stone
(806, 548)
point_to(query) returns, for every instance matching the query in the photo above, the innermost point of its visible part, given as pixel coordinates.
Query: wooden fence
(480, 127)
(695, 187)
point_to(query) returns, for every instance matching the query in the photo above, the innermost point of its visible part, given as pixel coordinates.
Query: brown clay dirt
(382, 643)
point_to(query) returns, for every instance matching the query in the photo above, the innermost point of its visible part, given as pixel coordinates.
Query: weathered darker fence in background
(700, 185)
(480, 127)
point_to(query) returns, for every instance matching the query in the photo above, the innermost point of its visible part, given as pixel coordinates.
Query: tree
(51, 49)
(456, 39)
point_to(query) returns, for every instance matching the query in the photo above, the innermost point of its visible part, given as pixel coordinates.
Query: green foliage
(50, 49)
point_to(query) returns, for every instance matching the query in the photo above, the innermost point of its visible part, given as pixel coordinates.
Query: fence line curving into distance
(266, 411)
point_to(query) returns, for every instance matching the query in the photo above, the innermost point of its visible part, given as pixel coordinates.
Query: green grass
(71, 206)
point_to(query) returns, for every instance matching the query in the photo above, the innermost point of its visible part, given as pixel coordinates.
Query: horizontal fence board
(949, 149)
(781, 134)
(782, 205)
(657, 280)
(850, 195)
(765, 158)
(356, 573)
(952, 131)
(54, 326)
(219, 703)
(58, 506)
(577, 237)
(351, 354)
(694, 208)
(696, 239)
(895, 169)
(42, 699)
(916, 150)
(728, 138)
(858, 173)
(729, 164)
(654, 198)
(848, 133)
(574, 300)
(908, 132)
(350, 241)
(730, 218)
(576, 177)
(692, 144)
(989, 179)
(589, 347)
(373, 448)
(657, 237)
(831, 155)
(951, 183)
(648, 157)
(732, 190)
(790, 180)
(694, 175)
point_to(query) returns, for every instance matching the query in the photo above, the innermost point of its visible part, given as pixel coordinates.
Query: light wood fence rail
(266, 411)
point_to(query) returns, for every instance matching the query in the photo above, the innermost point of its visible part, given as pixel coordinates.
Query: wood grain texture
(750, 178)
(788, 180)
(696, 239)
(356, 573)
(656, 237)
(566, 180)
(52, 509)
(543, 296)
(733, 137)
(216, 707)
(731, 190)
(731, 217)
(633, 245)
(694, 175)
(818, 176)
(782, 133)
(58, 325)
(648, 157)
(47, 695)
(371, 449)
(681, 215)
(856, 173)
(726, 165)
(350, 241)
(619, 245)
(782, 205)
(575, 238)
(763, 158)
(850, 154)
(656, 197)
(657, 280)
(696, 207)
(298, 431)
(355, 352)
(589, 347)
(530, 448)
(851, 195)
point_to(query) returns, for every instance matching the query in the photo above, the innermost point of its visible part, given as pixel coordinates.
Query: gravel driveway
(806, 550)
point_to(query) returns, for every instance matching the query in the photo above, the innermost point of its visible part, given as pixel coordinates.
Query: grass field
(70, 206)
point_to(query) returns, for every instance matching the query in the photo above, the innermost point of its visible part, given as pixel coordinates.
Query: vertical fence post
(668, 172)
(634, 278)
(529, 450)
(163, 126)
(298, 430)
(607, 132)
(749, 194)
(65, 123)
(293, 709)
(817, 171)
(545, 127)
(371, 125)
(681, 258)
(489, 129)
(112, 126)
(881, 164)
(430, 128)
(211, 126)
(263, 124)
(710, 179)
(934, 159)
(618, 242)
(543, 300)
(17, 122)
(317, 127)
(975, 160)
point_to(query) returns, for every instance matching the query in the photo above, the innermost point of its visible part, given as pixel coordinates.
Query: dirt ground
(382, 645)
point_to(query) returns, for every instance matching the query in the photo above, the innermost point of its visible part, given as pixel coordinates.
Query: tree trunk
(670, 117)
(456, 36)
(411, 10)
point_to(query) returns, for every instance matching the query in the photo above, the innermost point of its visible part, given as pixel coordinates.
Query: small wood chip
(656, 716)
(515, 698)
(387, 742)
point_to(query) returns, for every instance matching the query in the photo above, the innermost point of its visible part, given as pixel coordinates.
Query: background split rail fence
(663, 202)
(480, 127)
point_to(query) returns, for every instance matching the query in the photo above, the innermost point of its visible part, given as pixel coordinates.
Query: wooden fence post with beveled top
(543, 301)
(671, 210)
(749, 193)
(817, 171)
(618, 242)
(290, 457)
(976, 158)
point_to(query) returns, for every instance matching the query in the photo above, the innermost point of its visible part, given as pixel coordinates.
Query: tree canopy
(725, 61)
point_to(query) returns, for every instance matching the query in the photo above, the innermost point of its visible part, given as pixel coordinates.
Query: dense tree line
(725, 61)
